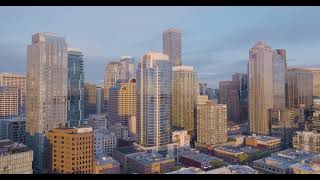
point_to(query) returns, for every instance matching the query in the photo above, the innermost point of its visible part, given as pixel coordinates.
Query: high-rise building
(241, 80)
(9, 102)
(299, 88)
(90, 99)
(15, 80)
(100, 100)
(127, 68)
(122, 101)
(75, 88)
(71, 150)
(15, 158)
(229, 95)
(260, 76)
(316, 80)
(46, 91)
(185, 86)
(111, 75)
(211, 121)
(154, 99)
(172, 46)
(279, 77)
(203, 88)
(13, 128)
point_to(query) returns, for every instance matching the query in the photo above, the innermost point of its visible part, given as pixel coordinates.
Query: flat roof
(149, 157)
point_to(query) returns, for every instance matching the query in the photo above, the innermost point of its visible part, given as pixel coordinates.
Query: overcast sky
(215, 40)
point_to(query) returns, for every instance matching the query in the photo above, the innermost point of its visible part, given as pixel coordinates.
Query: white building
(104, 143)
(181, 137)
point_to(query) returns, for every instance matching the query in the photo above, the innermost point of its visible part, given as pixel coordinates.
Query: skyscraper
(172, 46)
(316, 80)
(154, 99)
(46, 93)
(211, 121)
(242, 86)
(279, 75)
(185, 84)
(100, 100)
(229, 95)
(15, 80)
(122, 101)
(299, 88)
(90, 99)
(260, 74)
(111, 75)
(75, 88)
(127, 68)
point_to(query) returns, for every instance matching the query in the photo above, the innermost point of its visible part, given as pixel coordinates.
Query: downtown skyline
(216, 50)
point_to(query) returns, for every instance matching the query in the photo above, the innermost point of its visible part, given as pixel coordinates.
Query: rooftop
(9, 147)
(105, 160)
(127, 150)
(233, 169)
(189, 170)
(149, 157)
(264, 138)
(200, 157)
(229, 149)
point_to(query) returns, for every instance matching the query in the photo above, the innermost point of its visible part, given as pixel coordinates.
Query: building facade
(184, 98)
(241, 80)
(154, 99)
(46, 91)
(127, 68)
(172, 46)
(10, 104)
(106, 165)
(18, 81)
(13, 128)
(229, 95)
(279, 77)
(71, 150)
(98, 122)
(15, 158)
(307, 141)
(299, 88)
(211, 122)
(122, 101)
(90, 99)
(260, 78)
(75, 88)
(104, 143)
(111, 76)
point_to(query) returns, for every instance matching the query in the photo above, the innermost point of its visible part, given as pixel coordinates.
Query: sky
(215, 40)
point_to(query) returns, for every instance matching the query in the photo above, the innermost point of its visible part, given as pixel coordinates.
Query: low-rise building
(232, 169)
(121, 155)
(188, 170)
(280, 163)
(310, 166)
(106, 165)
(195, 159)
(15, 158)
(266, 143)
(150, 163)
(229, 154)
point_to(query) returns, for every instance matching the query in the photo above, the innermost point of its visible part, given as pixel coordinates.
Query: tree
(216, 163)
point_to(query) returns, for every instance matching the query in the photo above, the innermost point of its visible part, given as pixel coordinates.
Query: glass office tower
(75, 88)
